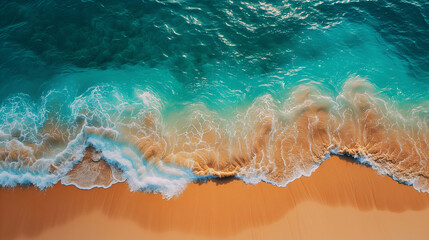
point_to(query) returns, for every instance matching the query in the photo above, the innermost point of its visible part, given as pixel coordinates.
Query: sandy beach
(341, 199)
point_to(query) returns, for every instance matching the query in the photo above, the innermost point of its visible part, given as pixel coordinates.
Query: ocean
(163, 93)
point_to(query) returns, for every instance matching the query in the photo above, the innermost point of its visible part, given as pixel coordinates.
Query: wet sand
(342, 199)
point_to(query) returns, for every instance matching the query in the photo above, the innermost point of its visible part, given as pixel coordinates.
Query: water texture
(163, 93)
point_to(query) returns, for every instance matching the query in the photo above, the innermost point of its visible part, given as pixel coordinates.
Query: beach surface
(340, 200)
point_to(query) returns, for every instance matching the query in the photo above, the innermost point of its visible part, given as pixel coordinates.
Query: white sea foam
(12, 178)
(141, 175)
(124, 130)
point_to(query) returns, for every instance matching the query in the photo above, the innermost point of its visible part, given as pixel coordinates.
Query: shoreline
(223, 208)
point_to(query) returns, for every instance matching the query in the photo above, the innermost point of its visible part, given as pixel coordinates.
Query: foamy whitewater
(159, 94)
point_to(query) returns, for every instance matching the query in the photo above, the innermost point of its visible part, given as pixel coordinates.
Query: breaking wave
(107, 138)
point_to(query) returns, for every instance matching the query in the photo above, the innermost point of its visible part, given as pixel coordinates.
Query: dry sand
(341, 200)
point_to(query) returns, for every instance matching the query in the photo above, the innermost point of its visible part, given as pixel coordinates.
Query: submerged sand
(341, 200)
(267, 140)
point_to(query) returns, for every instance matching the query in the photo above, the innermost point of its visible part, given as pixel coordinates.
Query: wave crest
(109, 138)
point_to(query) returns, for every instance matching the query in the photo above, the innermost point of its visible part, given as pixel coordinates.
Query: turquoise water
(72, 65)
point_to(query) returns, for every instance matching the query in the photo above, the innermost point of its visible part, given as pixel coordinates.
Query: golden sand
(341, 200)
